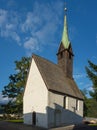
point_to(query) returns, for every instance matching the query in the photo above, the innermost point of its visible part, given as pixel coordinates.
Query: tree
(92, 107)
(85, 112)
(15, 88)
(92, 74)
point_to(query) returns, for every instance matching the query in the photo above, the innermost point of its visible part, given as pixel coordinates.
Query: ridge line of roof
(56, 65)
(34, 55)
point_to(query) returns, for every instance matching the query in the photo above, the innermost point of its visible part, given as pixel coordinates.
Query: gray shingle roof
(54, 78)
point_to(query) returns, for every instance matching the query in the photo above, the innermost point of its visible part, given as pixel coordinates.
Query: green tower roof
(65, 39)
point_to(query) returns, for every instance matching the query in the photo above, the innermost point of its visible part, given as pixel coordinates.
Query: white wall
(35, 97)
(68, 115)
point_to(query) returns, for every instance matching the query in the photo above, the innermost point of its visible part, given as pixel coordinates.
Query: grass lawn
(15, 121)
(92, 124)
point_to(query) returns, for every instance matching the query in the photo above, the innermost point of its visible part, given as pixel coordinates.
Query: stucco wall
(72, 106)
(35, 98)
(66, 115)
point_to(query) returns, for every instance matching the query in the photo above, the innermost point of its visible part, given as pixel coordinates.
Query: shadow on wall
(53, 117)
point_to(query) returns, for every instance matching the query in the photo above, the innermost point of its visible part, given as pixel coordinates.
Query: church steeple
(65, 53)
(65, 38)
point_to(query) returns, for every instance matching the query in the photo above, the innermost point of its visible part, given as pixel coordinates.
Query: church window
(65, 102)
(77, 104)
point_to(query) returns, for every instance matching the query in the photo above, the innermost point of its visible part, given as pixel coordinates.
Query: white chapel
(51, 96)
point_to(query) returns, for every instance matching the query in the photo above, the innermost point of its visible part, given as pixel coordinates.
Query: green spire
(65, 39)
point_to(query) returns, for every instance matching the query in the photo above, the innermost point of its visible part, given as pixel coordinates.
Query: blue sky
(36, 26)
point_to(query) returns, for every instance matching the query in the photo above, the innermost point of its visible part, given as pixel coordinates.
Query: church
(51, 96)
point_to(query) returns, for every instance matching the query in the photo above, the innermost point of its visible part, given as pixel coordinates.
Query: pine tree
(92, 74)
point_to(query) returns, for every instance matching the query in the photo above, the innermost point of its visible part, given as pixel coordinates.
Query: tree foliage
(85, 107)
(92, 74)
(15, 88)
(90, 105)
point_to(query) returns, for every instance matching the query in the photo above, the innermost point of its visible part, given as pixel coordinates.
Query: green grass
(16, 121)
(92, 124)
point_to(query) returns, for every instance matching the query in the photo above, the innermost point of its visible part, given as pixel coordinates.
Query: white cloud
(88, 86)
(8, 25)
(42, 24)
(16, 37)
(31, 22)
(3, 17)
(33, 29)
(79, 76)
(38, 26)
(28, 23)
(31, 44)
(3, 100)
(9, 33)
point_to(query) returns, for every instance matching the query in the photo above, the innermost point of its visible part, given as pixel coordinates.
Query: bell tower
(65, 52)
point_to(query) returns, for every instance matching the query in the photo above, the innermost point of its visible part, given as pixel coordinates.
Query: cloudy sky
(36, 26)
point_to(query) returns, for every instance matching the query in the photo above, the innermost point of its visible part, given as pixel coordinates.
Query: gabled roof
(55, 79)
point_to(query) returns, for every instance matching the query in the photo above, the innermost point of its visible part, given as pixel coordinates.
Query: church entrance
(57, 117)
(34, 118)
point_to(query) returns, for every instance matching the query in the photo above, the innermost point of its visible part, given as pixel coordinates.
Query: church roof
(54, 78)
(65, 38)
